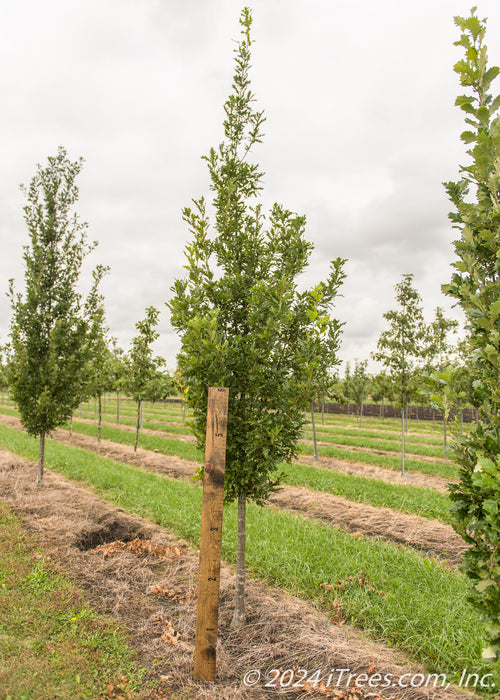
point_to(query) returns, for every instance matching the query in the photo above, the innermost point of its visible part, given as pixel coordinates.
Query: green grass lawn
(396, 594)
(404, 498)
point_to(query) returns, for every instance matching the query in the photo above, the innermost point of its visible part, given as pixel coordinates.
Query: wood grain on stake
(211, 536)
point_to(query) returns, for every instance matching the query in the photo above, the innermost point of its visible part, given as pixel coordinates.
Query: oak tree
(400, 345)
(475, 284)
(242, 320)
(144, 380)
(48, 347)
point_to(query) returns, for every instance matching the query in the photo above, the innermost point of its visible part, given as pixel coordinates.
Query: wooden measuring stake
(211, 536)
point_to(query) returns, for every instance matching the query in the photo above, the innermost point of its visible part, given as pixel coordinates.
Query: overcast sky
(361, 131)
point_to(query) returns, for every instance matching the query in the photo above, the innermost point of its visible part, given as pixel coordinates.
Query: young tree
(243, 323)
(401, 344)
(381, 388)
(442, 392)
(476, 285)
(100, 367)
(48, 346)
(359, 385)
(145, 381)
(118, 372)
(437, 349)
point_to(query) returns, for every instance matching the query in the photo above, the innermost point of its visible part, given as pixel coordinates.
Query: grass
(151, 425)
(382, 444)
(165, 445)
(52, 644)
(376, 434)
(406, 499)
(445, 469)
(396, 594)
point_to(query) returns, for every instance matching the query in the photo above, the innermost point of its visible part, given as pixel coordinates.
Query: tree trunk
(402, 441)
(138, 425)
(41, 460)
(239, 617)
(315, 439)
(99, 419)
(444, 436)
(71, 426)
(118, 408)
(323, 410)
(361, 407)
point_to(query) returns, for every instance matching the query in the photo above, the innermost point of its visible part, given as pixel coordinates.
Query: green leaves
(48, 348)
(144, 380)
(476, 286)
(242, 321)
(400, 345)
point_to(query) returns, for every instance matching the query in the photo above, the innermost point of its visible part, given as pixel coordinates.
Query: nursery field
(351, 565)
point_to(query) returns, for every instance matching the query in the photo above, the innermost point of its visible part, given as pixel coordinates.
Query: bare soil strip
(153, 597)
(430, 536)
(388, 453)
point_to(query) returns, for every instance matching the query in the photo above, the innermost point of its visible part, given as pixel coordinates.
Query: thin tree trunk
(99, 419)
(402, 441)
(71, 426)
(41, 460)
(444, 435)
(239, 617)
(118, 408)
(138, 426)
(361, 407)
(322, 410)
(315, 439)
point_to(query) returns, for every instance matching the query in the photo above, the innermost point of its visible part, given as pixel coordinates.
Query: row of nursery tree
(244, 324)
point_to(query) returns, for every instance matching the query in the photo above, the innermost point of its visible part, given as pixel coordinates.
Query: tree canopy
(48, 347)
(243, 322)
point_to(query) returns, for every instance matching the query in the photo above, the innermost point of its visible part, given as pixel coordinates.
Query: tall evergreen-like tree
(243, 322)
(475, 284)
(48, 347)
(400, 345)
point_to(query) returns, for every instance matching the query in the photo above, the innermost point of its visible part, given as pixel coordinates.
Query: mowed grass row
(403, 498)
(445, 469)
(406, 499)
(365, 439)
(397, 595)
